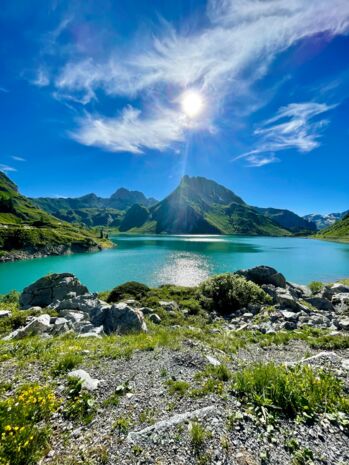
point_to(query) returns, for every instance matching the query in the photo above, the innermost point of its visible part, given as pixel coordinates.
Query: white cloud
(130, 132)
(42, 78)
(6, 168)
(293, 127)
(15, 157)
(235, 49)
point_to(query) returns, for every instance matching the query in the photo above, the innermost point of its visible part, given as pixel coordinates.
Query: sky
(94, 95)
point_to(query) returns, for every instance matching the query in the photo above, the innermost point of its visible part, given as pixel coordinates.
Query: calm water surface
(186, 260)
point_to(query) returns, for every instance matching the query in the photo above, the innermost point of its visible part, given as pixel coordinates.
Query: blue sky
(91, 97)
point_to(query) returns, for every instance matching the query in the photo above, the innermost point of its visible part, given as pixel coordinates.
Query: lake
(186, 260)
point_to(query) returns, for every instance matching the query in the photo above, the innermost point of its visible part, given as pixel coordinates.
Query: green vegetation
(316, 286)
(177, 387)
(339, 230)
(129, 290)
(66, 363)
(24, 226)
(292, 391)
(23, 436)
(228, 292)
(198, 435)
(79, 405)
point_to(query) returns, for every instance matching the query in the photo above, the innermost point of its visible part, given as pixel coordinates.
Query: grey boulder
(264, 275)
(36, 326)
(87, 382)
(50, 288)
(121, 318)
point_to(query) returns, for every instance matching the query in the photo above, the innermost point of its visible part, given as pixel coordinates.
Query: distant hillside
(92, 210)
(339, 230)
(288, 220)
(324, 221)
(25, 227)
(201, 206)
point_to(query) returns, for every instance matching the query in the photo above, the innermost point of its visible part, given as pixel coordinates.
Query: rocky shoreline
(29, 254)
(158, 370)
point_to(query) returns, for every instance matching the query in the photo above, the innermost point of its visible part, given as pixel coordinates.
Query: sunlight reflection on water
(184, 269)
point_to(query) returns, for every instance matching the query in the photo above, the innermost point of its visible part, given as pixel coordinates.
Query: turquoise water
(186, 260)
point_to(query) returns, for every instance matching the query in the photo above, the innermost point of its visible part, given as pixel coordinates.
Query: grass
(66, 363)
(290, 391)
(198, 435)
(177, 387)
(79, 405)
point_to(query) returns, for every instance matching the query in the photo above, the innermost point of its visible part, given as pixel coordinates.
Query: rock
(264, 275)
(345, 364)
(50, 288)
(121, 318)
(343, 324)
(168, 306)
(341, 302)
(73, 316)
(170, 422)
(288, 325)
(247, 316)
(289, 316)
(212, 360)
(155, 318)
(146, 310)
(38, 325)
(87, 382)
(88, 304)
(286, 300)
(302, 291)
(320, 303)
(5, 313)
(337, 288)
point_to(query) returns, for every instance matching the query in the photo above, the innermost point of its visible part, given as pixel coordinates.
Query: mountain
(26, 228)
(201, 206)
(289, 220)
(92, 210)
(339, 230)
(324, 221)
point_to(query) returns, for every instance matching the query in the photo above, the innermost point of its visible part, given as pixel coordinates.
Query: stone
(170, 422)
(343, 324)
(5, 313)
(289, 316)
(345, 363)
(74, 316)
(168, 306)
(38, 325)
(212, 360)
(146, 310)
(155, 318)
(288, 325)
(264, 275)
(337, 288)
(247, 316)
(87, 382)
(50, 288)
(320, 303)
(301, 290)
(122, 319)
(286, 300)
(341, 302)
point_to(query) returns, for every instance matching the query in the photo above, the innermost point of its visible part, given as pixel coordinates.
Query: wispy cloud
(133, 132)
(3, 89)
(6, 168)
(235, 49)
(16, 158)
(293, 127)
(42, 78)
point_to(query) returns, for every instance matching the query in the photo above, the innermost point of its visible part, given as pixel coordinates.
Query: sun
(192, 103)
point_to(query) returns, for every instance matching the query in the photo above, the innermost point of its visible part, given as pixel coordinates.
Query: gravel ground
(249, 441)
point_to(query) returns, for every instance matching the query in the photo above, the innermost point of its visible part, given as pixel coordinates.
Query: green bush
(129, 290)
(316, 286)
(291, 390)
(24, 436)
(228, 292)
(11, 297)
(66, 363)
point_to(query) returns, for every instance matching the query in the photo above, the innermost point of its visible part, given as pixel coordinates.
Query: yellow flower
(7, 428)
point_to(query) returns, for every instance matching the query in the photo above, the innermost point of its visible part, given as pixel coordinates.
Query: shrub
(177, 387)
(10, 298)
(131, 289)
(292, 391)
(228, 292)
(316, 286)
(198, 435)
(23, 436)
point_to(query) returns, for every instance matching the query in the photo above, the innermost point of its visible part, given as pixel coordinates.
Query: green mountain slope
(288, 220)
(92, 210)
(339, 230)
(25, 227)
(201, 206)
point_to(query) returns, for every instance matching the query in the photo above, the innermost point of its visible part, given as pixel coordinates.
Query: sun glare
(192, 103)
